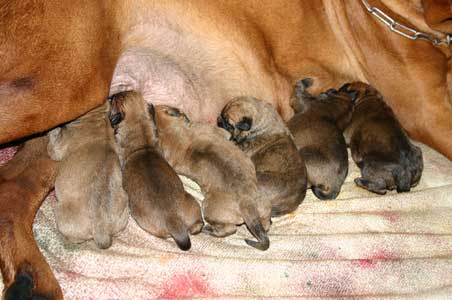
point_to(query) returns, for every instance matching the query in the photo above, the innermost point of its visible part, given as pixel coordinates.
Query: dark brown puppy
(317, 128)
(226, 176)
(259, 131)
(380, 146)
(157, 198)
(25, 180)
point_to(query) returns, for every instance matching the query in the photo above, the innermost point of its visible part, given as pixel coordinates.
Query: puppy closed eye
(173, 112)
(176, 113)
(244, 124)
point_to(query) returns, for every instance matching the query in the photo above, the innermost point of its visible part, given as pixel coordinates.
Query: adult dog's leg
(57, 62)
(31, 174)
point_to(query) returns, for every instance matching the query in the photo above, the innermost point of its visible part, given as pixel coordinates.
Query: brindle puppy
(158, 201)
(91, 201)
(380, 146)
(317, 128)
(226, 176)
(259, 131)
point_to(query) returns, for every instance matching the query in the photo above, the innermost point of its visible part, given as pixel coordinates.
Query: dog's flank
(226, 176)
(317, 128)
(158, 202)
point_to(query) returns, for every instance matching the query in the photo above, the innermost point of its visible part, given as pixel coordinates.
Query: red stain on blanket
(186, 285)
(390, 216)
(370, 262)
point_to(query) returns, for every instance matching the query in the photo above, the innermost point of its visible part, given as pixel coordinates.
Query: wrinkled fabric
(360, 246)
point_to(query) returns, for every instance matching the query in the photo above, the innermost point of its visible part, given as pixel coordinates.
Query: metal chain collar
(405, 31)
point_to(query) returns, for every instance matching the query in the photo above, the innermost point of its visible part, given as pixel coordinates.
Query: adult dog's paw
(22, 289)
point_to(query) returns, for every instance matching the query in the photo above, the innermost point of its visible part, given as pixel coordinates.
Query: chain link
(405, 31)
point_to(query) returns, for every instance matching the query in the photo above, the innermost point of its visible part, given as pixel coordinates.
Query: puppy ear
(244, 124)
(223, 122)
(353, 96)
(151, 110)
(115, 118)
(116, 113)
(344, 88)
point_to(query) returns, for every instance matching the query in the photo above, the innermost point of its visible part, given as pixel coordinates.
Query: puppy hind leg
(254, 225)
(378, 186)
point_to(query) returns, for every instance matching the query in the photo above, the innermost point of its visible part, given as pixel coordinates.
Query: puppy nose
(324, 195)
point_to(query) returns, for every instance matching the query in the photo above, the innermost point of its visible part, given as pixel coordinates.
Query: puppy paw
(378, 187)
(22, 289)
(219, 230)
(302, 85)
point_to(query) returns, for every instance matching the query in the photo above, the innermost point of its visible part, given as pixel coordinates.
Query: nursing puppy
(380, 146)
(317, 128)
(91, 201)
(227, 177)
(158, 201)
(258, 130)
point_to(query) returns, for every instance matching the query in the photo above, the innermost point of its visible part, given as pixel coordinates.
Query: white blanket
(360, 246)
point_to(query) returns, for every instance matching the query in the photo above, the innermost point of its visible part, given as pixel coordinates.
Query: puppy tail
(300, 94)
(254, 225)
(180, 235)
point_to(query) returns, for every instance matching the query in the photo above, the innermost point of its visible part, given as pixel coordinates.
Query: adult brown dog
(58, 58)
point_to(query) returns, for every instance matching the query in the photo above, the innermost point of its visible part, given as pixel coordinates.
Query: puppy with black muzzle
(91, 201)
(317, 128)
(226, 176)
(157, 199)
(259, 131)
(380, 146)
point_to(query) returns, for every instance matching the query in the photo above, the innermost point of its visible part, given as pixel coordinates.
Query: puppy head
(129, 110)
(248, 117)
(362, 90)
(326, 176)
(167, 116)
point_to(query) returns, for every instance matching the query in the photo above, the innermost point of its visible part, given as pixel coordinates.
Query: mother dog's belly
(196, 74)
(160, 80)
